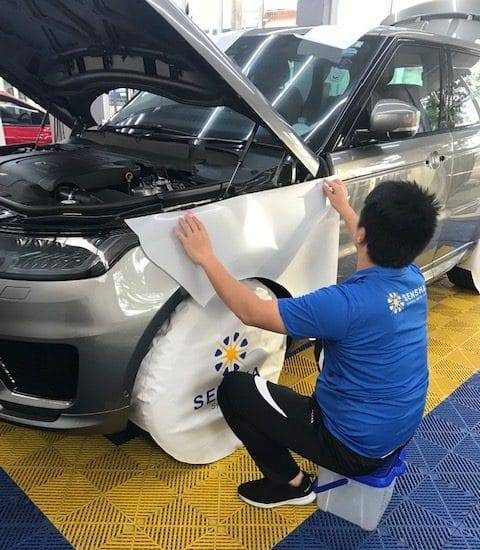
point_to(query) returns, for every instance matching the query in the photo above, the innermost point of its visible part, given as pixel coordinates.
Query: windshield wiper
(146, 127)
(166, 132)
(169, 133)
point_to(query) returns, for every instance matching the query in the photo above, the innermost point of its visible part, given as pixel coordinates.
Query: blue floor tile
(424, 454)
(439, 431)
(22, 525)
(469, 447)
(436, 504)
(444, 500)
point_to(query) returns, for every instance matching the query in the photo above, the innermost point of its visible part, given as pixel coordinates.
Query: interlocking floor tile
(444, 500)
(122, 492)
(22, 525)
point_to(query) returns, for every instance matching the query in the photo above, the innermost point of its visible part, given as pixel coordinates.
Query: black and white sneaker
(264, 493)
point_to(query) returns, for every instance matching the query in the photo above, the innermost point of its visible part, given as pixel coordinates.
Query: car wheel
(174, 396)
(462, 278)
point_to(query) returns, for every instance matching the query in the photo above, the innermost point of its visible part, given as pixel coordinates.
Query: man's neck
(364, 261)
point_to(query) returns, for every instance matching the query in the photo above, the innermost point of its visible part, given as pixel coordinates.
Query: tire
(462, 278)
(174, 396)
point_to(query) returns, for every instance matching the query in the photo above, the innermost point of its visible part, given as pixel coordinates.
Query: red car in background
(22, 123)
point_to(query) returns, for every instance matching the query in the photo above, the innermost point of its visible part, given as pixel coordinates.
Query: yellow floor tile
(135, 497)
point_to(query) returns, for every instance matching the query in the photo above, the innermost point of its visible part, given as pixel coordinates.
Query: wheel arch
(163, 314)
(145, 340)
(279, 290)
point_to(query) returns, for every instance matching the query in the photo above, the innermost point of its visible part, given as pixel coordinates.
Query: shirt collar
(379, 270)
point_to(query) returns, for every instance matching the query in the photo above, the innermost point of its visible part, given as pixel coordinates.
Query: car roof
(414, 34)
(385, 31)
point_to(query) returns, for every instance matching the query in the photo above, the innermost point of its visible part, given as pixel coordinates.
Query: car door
(415, 73)
(462, 224)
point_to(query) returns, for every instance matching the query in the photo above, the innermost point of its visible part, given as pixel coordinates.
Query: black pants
(272, 420)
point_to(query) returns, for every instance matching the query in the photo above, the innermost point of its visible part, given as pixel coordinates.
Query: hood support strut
(241, 160)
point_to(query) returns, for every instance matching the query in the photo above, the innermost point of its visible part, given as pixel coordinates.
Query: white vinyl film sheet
(289, 235)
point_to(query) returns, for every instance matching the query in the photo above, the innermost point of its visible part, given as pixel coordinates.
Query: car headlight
(61, 258)
(5, 214)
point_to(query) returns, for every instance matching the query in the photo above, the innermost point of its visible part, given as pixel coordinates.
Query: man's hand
(195, 240)
(337, 193)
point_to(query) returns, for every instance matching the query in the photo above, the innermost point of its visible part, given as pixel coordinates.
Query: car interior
(412, 76)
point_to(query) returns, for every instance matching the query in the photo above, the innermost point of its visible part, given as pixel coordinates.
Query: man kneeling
(370, 396)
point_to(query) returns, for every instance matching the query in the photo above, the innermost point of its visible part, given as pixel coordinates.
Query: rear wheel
(462, 278)
(174, 397)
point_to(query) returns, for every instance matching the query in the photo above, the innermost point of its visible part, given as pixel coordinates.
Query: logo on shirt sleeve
(395, 302)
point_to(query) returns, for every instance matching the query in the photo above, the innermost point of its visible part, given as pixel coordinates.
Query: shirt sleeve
(324, 313)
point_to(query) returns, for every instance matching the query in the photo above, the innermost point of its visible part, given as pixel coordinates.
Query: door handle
(435, 160)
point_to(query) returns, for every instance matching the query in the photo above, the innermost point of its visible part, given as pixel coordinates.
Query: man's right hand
(337, 193)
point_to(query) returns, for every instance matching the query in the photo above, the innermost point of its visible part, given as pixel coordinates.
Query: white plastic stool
(361, 500)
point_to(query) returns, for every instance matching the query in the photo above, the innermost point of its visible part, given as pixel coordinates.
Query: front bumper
(106, 319)
(107, 422)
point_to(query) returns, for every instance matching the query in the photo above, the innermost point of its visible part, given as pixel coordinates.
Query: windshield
(305, 81)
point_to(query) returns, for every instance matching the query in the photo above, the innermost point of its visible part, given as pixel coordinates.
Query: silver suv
(79, 300)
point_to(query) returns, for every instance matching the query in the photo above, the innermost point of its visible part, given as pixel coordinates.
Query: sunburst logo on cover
(231, 353)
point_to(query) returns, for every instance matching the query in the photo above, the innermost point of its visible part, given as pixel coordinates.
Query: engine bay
(78, 175)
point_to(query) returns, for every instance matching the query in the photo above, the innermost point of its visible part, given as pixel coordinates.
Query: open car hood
(65, 53)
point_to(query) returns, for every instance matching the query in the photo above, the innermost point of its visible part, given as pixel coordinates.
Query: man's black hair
(399, 218)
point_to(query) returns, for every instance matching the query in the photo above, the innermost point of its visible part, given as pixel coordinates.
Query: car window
(464, 101)
(19, 115)
(413, 76)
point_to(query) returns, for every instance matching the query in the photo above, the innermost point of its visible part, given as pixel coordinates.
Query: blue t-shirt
(373, 385)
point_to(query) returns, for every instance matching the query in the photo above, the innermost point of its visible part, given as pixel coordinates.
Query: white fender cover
(175, 393)
(289, 235)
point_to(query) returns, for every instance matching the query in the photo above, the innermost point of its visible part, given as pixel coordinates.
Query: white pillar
(237, 14)
(2, 134)
(220, 16)
(317, 12)
(60, 132)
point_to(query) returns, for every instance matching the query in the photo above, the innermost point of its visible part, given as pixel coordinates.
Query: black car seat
(379, 92)
(314, 104)
(408, 93)
(270, 77)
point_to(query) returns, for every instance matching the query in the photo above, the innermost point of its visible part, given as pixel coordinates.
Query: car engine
(70, 174)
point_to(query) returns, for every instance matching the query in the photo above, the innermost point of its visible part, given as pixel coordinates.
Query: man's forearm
(239, 298)
(350, 218)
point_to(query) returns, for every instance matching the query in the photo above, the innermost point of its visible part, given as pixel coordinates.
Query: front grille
(49, 371)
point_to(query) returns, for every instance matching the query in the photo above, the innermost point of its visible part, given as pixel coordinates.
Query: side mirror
(394, 118)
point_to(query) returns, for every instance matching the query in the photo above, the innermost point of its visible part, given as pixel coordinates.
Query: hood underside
(65, 53)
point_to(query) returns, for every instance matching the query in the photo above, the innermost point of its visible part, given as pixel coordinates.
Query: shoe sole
(301, 501)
